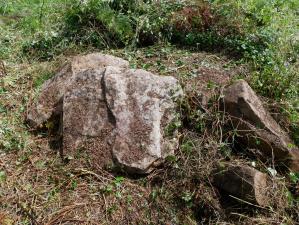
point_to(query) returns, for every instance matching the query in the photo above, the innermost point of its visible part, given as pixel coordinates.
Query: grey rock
(86, 121)
(143, 105)
(256, 127)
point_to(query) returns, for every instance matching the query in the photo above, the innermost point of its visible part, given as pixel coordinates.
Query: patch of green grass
(10, 140)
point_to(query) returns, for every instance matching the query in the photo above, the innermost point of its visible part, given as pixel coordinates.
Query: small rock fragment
(243, 182)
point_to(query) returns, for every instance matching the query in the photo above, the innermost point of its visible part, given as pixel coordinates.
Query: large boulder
(256, 127)
(111, 112)
(244, 183)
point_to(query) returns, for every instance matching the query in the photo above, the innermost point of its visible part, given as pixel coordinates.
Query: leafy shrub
(98, 17)
(46, 47)
(259, 31)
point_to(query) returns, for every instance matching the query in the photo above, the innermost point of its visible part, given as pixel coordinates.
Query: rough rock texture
(53, 90)
(86, 120)
(256, 126)
(243, 182)
(142, 104)
(109, 111)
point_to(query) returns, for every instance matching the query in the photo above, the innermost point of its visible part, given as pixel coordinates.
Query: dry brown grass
(39, 188)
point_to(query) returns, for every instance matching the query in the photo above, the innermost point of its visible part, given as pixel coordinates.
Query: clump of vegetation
(260, 32)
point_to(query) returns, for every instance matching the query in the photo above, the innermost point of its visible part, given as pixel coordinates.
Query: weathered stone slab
(143, 105)
(256, 127)
(50, 100)
(243, 182)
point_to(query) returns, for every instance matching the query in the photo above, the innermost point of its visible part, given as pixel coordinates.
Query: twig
(61, 213)
(2, 69)
(87, 172)
(28, 212)
(248, 203)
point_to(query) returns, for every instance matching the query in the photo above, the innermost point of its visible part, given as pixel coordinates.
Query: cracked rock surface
(111, 112)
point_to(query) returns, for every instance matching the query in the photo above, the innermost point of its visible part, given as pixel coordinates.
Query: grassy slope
(36, 187)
